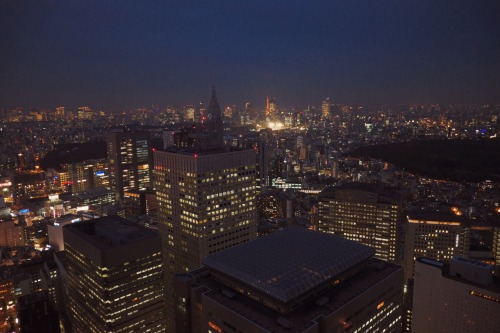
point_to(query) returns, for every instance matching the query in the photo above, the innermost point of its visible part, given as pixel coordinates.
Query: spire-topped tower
(208, 136)
(213, 124)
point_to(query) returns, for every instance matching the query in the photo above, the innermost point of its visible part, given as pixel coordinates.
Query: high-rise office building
(206, 198)
(270, 108)
(435, 235)
(51, 281)
(371, 214)
(114, 277)
(326, 107)
(460, 297)
(84, 175)
(487, 235)
(294, 280)
(129, 157)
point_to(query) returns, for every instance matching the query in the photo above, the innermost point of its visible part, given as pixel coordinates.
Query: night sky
(116, 55)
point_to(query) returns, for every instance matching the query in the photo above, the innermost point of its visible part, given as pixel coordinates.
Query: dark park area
(457, 160)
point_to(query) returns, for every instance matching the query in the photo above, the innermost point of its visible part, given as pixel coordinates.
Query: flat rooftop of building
(110, 231)
(491, 220)
(445, 269)
(33, 298)
(200, 151)
(64, 219)
(96, 191)
(303, 317)
(289, 263)
(435, 216)
(378, 188)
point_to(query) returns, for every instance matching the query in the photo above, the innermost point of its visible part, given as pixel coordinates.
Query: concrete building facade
(460, 297)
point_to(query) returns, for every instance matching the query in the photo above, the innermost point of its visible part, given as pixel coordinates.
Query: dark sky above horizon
(125, 54)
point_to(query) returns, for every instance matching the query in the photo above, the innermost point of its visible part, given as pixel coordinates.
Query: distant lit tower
(21, 165)
(84, 113)
(270, 107)
(189, 113)
(199, 113)
(130, 158)
(251, 111)
(213, 123)
(206, 196)
(60, 111)
(326, 108)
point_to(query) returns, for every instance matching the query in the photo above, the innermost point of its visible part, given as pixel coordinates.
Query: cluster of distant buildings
(216, 231)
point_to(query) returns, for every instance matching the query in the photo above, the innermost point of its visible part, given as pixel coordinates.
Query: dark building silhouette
(36, 314)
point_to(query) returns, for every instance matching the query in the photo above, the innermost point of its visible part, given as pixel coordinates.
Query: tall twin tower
(206, 196)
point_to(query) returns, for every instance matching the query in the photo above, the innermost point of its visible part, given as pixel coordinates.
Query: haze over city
(120, 55)
(260, 166)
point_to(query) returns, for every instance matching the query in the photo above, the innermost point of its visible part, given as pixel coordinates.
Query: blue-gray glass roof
(288, 263)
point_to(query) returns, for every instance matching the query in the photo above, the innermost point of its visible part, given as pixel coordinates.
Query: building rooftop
(383, 192)
(110, 232)
(200, 151)
(64, 219)
(467, 271)
(289, 263)
(434, 216)
(303, 317)
(96, 191)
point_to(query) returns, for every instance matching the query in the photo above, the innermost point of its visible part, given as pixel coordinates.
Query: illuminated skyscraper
(84, 113)
(129, 157)
(367, 213)
(251, 111)
(206, 198)
(270, 107)
(435, 235)
(81, 176)
(326, 108)
(60, 111)
(115, 277)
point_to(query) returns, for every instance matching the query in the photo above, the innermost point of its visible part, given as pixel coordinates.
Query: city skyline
(137, 54)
